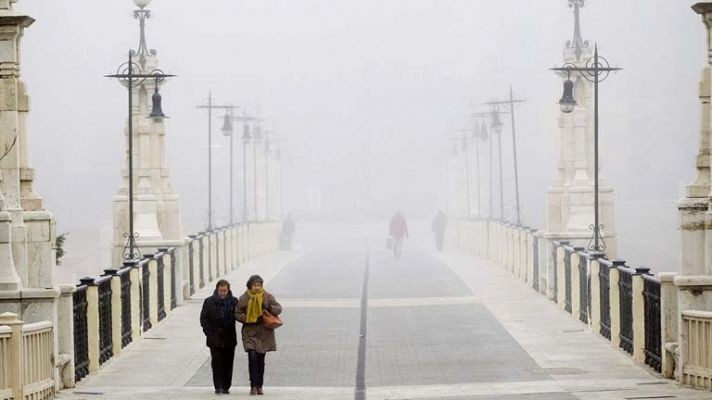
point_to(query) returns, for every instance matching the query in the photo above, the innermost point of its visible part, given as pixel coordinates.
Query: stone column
(694, 279)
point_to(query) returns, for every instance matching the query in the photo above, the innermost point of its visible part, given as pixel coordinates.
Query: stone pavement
(439, 326)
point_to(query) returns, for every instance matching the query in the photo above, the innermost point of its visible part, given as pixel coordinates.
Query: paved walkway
(437, 326)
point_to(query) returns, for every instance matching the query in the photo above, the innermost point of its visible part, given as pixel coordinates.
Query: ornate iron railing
(625, 286)
(201, 248)
(125, 275)
(567, 278)
(653, 338)
(174, 278)
(191, 266)
(161, 295)
(584, 288)
(535, 268)
(81, 337)
(106, 344)
(145, 296)
(605, 297)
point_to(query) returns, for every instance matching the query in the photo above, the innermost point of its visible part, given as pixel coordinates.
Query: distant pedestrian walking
(439, 224)
(288, 228)
(217, 319)
(257, 340)
(398, 231)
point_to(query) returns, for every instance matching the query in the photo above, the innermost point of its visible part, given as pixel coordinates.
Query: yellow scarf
(254, 306)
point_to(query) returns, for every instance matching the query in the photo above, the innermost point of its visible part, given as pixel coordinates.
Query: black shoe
(226, 391)
(218, 391)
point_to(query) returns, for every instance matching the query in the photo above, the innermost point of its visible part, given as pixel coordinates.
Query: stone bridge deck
(438, 326)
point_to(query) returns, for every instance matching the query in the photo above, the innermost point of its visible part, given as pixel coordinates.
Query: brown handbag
(271, 321)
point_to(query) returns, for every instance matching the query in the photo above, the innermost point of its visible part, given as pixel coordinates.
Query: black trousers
(439, 240)
(222, 359)
(257, 368)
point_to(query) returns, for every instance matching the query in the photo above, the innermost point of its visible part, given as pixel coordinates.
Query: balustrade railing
(123, 304)
(201, 250)
(161, 287)
(625, 287)
(697, 329)
(106, 345)
(620, 303)
(126, 333)
(38, 360)
(174, 278)
(5, 385)
(81, 335)
(653, 326)
(567, 278)
(145, 294)
(584, 288)
(604, 285)
(535, 265)
(191, 265)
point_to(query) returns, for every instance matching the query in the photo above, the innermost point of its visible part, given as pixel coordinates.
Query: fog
(366, 95)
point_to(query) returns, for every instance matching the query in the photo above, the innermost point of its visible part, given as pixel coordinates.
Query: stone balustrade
(26, 359)
(100, 317)
(632, 308)
(697, 349)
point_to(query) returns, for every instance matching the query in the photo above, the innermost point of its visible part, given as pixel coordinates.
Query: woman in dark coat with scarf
(218, 322)
(256, 339)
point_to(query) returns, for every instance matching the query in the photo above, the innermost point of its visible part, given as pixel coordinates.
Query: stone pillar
(156, 205)
(14, 372)
(694, 279)
(570, 197)
(27, 230)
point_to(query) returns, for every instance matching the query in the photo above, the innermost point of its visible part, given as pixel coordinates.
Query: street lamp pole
(509, 106)
(126, 75)
(210, 107)
(596, 70)
(468, 178)
(255, 141)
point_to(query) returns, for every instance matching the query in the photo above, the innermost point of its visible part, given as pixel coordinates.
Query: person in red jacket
(398, 230)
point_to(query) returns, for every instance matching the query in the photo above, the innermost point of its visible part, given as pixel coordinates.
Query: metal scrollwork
(131, 252)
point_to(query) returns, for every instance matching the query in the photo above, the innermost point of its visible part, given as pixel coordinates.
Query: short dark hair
(222, 282)
(253, 279)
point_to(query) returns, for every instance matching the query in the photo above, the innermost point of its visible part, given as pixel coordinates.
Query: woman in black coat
(218, 322)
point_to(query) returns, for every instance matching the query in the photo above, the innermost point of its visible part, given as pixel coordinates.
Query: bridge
(504, 311)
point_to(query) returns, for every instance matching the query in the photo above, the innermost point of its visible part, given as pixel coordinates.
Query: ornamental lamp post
(210, 107)
(227, 130)
(596, 70)
(509, 107)
(496, 127)
(129, 75)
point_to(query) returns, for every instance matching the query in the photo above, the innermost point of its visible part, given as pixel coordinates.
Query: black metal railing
(535, 267)
(126, 337)
(106, 342)
(653, 327)
(567, 278)
(145, 297)
(604, 283)
(201, 250)
(161, 289)
(174, 278)
(625, 287)
(191, 266)
(81, 336)
(584, 287)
